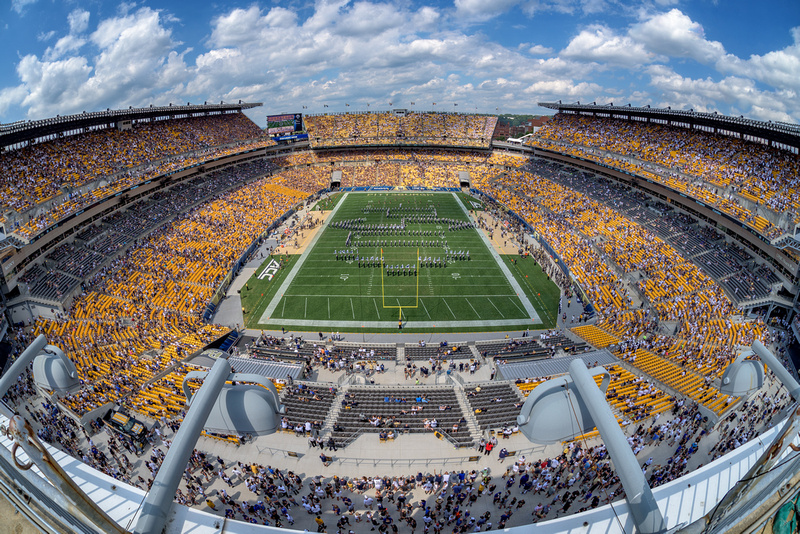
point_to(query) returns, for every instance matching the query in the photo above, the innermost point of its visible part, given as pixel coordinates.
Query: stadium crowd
(76, 164)
(736, 175)
(411, 128)
(151, 297)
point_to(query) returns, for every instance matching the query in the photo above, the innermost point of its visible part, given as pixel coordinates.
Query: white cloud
(78, 21)
(363, 52)
(568, 88)
(540, 50)
(136, 63)
(780, 68)
(569, 7)
(11, 96)
(20, 5)
(674, 34)
(707, 94)
(46, 36)
(603, 45)
(50, 86)
(65, 45)
(482, 10)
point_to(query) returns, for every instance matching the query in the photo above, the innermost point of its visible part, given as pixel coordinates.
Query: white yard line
(515, 304)
(473, 309)
(424, 308)
(496, 308)
(448, 307)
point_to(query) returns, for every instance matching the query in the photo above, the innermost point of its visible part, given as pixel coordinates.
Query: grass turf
(365, 298)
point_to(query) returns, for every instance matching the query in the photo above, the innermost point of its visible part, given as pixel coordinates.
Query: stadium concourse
(133, 288)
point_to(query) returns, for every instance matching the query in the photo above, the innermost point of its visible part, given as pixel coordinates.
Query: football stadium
(206, 322)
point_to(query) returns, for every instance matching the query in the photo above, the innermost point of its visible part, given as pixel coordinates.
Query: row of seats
(385, 403)
(495, 406)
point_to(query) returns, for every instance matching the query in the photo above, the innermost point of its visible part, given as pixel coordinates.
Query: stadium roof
(778, 132)
(22, 131)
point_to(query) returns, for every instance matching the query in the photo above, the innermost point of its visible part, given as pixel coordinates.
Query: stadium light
(743, 377)
(52, 371)
(218, 408)
(566, 407)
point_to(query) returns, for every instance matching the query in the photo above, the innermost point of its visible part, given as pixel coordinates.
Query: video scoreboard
(286, 124)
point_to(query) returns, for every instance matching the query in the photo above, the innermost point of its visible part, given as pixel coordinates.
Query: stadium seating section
(68, 170)
(418, 129)
(734, 175)
(158, 288)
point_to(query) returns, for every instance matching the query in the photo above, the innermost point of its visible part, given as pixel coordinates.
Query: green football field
(413, 258)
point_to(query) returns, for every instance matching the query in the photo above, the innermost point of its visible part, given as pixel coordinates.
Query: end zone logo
(270, 270)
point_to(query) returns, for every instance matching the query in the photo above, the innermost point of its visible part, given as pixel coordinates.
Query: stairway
(472, 423)
(333, 413)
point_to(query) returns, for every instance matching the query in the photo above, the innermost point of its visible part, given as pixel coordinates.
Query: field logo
(456, 276)
(344, 276)
(475, 205)
(270, 270)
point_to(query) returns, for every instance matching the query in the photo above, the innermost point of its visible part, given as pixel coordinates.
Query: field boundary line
(299, 263)
(393, 324)
(523, 297)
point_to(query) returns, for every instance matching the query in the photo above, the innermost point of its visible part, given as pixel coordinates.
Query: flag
(324, 105)
(412, 103)
(348, 105)
(391, 103)
(455, 105)
(434, 103)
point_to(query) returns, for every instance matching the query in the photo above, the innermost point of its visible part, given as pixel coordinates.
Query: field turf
(370, 284)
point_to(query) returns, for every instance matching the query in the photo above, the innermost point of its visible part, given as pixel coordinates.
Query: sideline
(503, 267)
(290, 277)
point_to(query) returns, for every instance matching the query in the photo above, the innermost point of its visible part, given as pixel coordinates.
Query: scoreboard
(286, 124)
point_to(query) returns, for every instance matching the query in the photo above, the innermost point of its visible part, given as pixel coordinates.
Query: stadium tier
(400, 127)
(259, 257)
(736, 176)
(73, 171)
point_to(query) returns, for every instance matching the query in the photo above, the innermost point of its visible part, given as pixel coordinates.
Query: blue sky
(734, 57)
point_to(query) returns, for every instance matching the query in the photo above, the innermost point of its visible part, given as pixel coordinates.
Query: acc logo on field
(456, 276)
(344, 276)
(270, 270)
